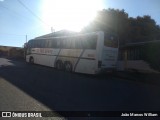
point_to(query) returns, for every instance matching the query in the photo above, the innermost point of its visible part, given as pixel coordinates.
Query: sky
(34, 18)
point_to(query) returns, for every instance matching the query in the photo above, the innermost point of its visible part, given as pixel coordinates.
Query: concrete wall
(13, 52)
(139, 65)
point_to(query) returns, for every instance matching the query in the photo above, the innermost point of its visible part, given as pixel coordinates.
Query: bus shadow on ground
(56, 89)
(62, 91)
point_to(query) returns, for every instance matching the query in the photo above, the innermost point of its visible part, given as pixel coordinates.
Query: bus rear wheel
(31, 60)
(68, 66)
(59, 65)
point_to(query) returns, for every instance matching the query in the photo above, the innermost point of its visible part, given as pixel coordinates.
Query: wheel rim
(32, 60)
(68, 67)
(59, 65)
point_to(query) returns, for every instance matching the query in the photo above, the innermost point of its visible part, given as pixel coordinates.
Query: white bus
(88, 53)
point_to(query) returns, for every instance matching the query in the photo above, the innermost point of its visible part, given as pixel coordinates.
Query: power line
(13, 11)
(31, 12)
(16, 13)
(10, 34)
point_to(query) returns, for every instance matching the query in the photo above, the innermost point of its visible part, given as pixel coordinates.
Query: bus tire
(31, 60)
(59, 65)
(68, 66)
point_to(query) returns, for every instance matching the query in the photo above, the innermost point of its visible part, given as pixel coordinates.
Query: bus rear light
(99, 64)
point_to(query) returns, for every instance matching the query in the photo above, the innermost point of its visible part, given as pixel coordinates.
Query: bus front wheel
(59, 65)
(31, 60)
(68, 66)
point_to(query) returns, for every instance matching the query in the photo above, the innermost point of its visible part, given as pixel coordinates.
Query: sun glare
(69, 14)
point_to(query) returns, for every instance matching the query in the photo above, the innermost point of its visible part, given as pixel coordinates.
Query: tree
(110, 20)
(129, 30)
(143, 29)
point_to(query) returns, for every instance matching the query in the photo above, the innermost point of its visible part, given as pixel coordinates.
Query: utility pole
(52, 30)
(25, 49)
(26, 38)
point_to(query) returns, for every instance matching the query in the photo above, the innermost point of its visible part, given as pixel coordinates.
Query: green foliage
(110, 20)
(151, 53)
(129, 30)
(143, 29)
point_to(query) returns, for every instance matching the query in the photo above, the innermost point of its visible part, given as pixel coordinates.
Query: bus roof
(80, 34)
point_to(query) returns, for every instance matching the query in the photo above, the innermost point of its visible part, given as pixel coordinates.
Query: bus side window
(29, 44)
(34, 44)
(58, 43)
(89, 42)
(85, 42)
(92, 42)
(67, 43)
(53, 43)
(82, 42)
(39, 43)
(63, 43)
(72, 42)
(42, 43)
(78, 42)
(49, 43)
(110, 41)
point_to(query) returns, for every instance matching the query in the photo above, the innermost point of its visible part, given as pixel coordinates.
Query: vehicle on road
(88, 53)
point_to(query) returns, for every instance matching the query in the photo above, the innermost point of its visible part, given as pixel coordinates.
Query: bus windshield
(110, 40)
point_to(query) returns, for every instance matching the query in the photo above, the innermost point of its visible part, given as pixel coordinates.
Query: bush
(151, 54)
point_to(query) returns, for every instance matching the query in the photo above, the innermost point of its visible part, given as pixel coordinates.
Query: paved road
(35, 87)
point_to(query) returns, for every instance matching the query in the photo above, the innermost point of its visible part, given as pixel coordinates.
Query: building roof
(58, 33)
